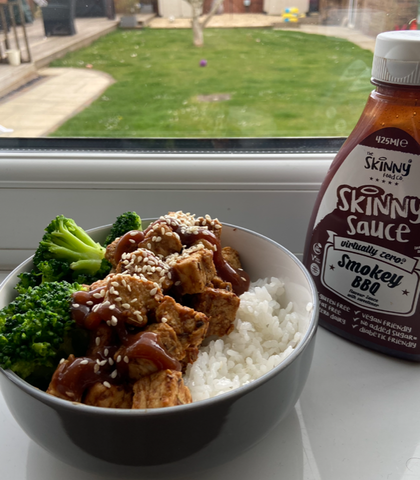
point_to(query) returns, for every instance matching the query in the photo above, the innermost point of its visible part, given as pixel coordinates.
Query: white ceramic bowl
(172, 441)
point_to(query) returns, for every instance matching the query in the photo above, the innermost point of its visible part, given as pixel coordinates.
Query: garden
(241, 83)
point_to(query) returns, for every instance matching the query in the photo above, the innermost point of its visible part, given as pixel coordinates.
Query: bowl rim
(231, 395)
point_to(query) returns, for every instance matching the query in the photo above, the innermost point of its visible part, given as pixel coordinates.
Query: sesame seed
(76, 305)
(97, 341)
(107, 384)
(244, 279)
(149, 246)
(164, 320)
(119, 359)
(131, 240)
(97, 295)
(106, 351)
(126, 359)
(133, 232)
(153, 291)
(89, 302)
(124, 282)
(112, 307)
(84, 362)
(126, 305)
(110, 361)
(177, 283)
(114, 284)
(114, 374)
(129, 288)
(114, 321)
(118, 299)
(62, 360)
(168, 234)
(96, 368)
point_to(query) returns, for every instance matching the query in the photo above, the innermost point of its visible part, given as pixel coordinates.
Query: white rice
(265, 332)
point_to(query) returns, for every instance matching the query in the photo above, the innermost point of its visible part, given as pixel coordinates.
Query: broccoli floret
(64, 240)
(27, 279)
(123, 224)
(35, 327)
(66, 252)
(85, 278)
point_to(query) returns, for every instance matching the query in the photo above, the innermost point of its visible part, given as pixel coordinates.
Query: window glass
(121, 69)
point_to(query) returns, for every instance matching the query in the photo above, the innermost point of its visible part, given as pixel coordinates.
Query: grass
(281, 83)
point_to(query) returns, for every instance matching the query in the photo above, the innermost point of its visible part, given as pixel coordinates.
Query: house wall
(174, 8)
(382, 15)
(236, 6)
(371, 17)
(181, 8)
(277, 7)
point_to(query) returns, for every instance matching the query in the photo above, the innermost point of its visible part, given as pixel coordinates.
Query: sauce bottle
(363, 241)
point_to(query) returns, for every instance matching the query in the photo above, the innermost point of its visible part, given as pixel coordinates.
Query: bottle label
(365, 248)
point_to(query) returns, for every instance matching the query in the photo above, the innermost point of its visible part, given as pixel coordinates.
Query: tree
(197, 26)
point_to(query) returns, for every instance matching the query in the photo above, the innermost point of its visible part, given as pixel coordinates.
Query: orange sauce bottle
(363, 241)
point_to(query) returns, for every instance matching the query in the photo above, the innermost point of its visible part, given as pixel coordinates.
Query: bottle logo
(382, 164)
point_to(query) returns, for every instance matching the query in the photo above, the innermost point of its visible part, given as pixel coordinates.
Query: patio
(46, 49)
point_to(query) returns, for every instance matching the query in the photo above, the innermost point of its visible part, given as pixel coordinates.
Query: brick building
(369, 16)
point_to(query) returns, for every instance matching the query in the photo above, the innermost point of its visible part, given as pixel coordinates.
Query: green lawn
(280, 83)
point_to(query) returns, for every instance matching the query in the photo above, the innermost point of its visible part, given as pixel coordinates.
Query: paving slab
(60, 94)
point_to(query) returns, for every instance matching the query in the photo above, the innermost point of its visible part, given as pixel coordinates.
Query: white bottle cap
(397, 57)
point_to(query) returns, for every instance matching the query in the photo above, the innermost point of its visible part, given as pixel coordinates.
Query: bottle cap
(397, 57)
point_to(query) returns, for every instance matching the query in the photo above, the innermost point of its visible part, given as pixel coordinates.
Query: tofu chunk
(138, 364)
(114, 396)
(189, 325)
(220, 306)
(165, 388)
(231, 256)
(110, 253)
(193, 270)
(135, 297)
(212, 224)
(162, 240)
(146, 264)
(102, 337)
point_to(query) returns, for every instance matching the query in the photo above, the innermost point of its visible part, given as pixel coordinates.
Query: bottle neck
(396, 90)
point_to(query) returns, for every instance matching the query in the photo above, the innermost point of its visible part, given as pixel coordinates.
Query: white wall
(271, 193)
(174, 8)
(277, 7)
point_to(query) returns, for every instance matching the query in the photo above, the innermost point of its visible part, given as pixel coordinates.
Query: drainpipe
(352, 13)
(418, 16)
